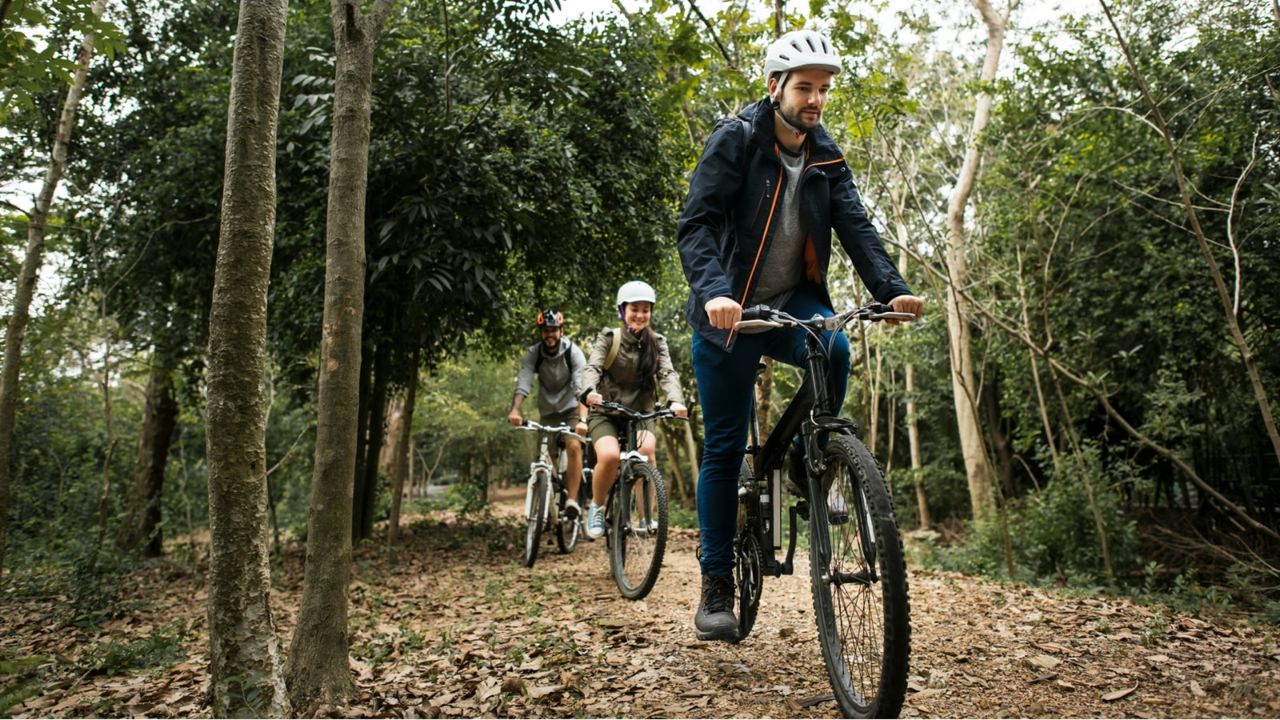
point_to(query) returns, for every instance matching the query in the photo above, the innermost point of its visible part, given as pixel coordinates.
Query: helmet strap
(776, 103)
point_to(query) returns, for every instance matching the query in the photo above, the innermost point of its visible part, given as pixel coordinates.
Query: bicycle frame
(543, 465)
(810, 414)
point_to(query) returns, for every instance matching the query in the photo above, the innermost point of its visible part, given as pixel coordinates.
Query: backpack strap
(613, 348)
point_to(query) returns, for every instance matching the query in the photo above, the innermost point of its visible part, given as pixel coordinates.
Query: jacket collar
(819, 147)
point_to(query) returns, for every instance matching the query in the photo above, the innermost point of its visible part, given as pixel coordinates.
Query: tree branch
(711, 30)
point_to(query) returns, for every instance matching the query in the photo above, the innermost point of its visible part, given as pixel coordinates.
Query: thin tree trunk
(976, 460)
(377, 432)
(244, 659)
(1035, 370)
(674, 463)
(873, 426)
(363, 409)
(764, 398)
(31, 262)
(142, 521)
(319, 652)
(691, 449)
(913, 421)
(891, 430)
(403, 460)
(1193, 220)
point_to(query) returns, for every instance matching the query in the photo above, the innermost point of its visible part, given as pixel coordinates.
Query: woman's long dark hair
(647, 365)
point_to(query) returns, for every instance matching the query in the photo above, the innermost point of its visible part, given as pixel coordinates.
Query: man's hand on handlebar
(514, 418)
(723, 312)
(679, 410)
(594, 399)
(906, 304)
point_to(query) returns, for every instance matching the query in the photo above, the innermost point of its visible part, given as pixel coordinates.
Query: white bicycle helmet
(800, 49)
(636, 291)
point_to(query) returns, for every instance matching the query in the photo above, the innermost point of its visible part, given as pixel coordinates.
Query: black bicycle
(856, 566)
(546, 480)
(636, 511)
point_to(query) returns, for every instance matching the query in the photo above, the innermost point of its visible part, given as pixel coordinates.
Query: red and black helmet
(550, 318)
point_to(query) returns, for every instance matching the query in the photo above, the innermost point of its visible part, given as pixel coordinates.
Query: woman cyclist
(627, 366)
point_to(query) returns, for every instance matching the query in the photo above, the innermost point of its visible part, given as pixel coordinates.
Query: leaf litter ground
(451, 625)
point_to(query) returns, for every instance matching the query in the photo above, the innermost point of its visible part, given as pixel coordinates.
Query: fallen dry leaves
(451, 625)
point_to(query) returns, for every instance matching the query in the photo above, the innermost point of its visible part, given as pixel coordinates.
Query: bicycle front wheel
(638, 531)
(537, 516)
(859, 583)
(567, 530)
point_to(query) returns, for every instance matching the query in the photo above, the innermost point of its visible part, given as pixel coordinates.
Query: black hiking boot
(715, 619)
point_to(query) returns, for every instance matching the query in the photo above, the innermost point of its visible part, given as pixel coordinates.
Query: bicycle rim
(639, 531)
(537, 515)
(859, 585)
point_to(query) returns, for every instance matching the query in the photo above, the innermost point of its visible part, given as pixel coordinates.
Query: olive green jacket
(621, 383)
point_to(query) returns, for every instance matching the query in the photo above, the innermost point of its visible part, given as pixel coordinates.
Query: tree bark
(142, 521)
(402, 461)
(964, 388)
(318, 654)
(913, 421)
(244, 661)
(31, 262)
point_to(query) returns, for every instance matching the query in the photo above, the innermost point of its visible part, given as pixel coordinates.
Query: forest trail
(454, 626)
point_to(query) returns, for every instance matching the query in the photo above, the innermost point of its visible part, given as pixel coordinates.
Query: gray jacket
(556, 383)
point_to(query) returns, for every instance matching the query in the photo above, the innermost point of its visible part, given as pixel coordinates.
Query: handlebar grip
(756, 312)
(879, 308)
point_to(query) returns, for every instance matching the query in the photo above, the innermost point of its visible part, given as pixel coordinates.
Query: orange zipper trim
(755, 264)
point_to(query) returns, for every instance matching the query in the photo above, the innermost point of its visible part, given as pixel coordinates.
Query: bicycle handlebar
(539, 427)
(614, 408)
(765, 317)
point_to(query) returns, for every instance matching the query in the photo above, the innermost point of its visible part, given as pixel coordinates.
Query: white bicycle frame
(541, 465)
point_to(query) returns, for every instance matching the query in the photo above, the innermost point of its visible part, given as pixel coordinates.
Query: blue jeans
(726, 382)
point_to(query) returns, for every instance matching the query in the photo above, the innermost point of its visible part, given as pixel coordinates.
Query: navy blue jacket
(727, 225)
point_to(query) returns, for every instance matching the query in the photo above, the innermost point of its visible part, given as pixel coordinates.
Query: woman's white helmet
(800, 49)
(636, 291)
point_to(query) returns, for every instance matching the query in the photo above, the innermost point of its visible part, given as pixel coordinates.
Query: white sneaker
(572, 509)
(595, 521)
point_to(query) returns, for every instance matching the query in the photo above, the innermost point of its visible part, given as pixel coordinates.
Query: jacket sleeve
(524, 380)
(667, 378)
(594, 366)
(579, 368)
(707, 210)
(862, 242)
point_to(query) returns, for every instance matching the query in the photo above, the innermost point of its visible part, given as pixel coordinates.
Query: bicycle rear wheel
(859, 583)
(748, 559)
(638, 531)
(537, 516)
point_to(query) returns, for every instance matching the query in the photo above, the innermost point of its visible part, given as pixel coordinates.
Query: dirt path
(453, 626)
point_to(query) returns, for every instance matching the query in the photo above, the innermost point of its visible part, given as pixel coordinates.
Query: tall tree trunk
(691, 449)
(377, 431)
(318, 654)
(1035, 370)
(964, 388)
(142, 521)
(26, 284)
(1003, 455)
(873, 424)
(244, 660)
(673, 458)
(402, 462)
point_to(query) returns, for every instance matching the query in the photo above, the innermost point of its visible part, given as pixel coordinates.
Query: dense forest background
(1113, 273)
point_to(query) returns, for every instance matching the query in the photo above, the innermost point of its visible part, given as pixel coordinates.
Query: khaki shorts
(599, 426)
(569, 418)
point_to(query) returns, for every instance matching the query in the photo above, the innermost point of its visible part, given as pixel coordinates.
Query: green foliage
(1053, 533)
(162, 647)
(38, 45)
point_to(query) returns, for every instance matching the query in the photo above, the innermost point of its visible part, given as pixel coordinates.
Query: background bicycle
(546, 494)
(636, 511)
(856, 566)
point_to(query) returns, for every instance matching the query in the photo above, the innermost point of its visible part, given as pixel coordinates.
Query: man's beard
(797, 121)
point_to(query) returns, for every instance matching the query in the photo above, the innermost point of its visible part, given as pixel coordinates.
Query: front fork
(536, 469)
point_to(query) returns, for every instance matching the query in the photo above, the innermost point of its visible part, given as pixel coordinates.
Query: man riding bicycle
(756, 230)
(558, 364)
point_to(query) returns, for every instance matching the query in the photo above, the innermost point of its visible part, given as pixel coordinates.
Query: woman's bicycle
(856, 566)
(636, 511)
(546, 481)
